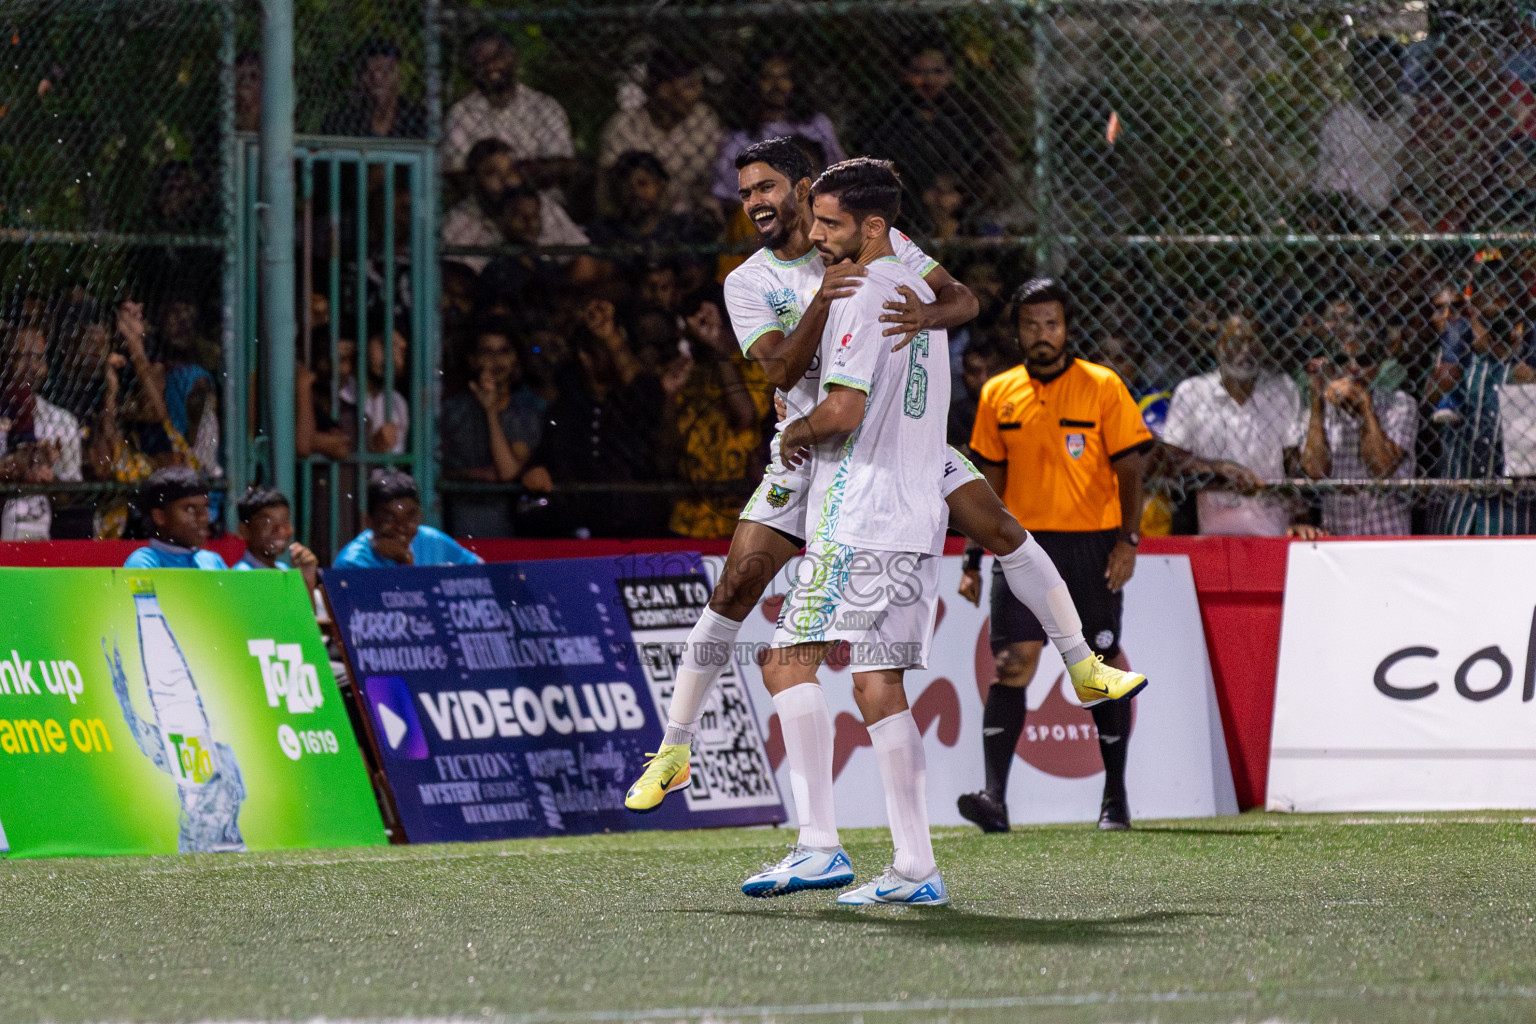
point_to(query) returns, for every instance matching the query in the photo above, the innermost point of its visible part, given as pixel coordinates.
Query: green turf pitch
(1252, 918)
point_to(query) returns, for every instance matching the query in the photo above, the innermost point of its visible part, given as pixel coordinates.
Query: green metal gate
(367, 267)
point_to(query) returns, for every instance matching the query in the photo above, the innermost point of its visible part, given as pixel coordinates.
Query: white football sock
(904, 772)
(1033, 578)
(704, 655)
(807, 725)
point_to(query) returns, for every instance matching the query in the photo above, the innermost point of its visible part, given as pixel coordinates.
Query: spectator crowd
(588, 359)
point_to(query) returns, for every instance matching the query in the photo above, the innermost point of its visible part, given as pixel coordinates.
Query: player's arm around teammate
(1062, 440)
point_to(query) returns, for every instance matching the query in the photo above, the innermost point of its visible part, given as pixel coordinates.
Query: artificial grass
(1365, 918)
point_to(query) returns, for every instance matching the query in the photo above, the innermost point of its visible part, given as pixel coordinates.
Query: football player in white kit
(778, 301)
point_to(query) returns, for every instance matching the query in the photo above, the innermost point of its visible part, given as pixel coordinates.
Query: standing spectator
(931, 129)
(248, 91)
(493, 175)
(1239, 424)
(1358, 430)
(266, 526)
(39, 442)
(175, 500)
(501, 107)
(776, 107)
(388, 421)
(639, 184)
(719, 421)
(395, 535)
(609, 425)
(1360, 143)
(376, 108)
(1474, 448)
(674, 125)
(490, 432)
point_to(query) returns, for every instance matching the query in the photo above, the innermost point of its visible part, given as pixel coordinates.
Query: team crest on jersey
(1006, 412)
(778, 495)
(846, 339)
(785, 305)
(1076, 443)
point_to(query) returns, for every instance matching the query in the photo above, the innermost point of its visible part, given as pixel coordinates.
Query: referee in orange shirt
(1062, 441)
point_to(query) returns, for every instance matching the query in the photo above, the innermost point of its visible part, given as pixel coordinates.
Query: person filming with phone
(1359, 428)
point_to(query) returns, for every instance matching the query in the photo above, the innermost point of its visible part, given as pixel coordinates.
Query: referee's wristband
(973, 559)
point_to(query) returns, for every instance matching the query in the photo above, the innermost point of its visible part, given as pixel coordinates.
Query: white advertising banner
(1177, 765)
(1407, 672)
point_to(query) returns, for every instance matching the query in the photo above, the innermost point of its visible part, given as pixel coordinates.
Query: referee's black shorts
(1081, 558)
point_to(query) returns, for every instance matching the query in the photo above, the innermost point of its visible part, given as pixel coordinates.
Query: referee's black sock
(1113, 720)
(1001, 724)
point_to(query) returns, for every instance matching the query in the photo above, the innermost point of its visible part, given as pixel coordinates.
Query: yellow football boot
(665, 772)
(1096, 682)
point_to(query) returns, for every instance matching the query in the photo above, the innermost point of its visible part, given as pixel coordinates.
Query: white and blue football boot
(893, 888)
(803, 868)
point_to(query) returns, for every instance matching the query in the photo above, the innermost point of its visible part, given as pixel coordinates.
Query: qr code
(730, 766)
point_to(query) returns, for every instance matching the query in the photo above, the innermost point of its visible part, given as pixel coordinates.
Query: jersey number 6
(916, 400)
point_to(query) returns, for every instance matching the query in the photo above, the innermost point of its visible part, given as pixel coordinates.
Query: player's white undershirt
(769, 294)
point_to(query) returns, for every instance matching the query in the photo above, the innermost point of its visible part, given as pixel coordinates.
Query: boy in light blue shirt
(396, 536)
(176, 500)
(266, 526)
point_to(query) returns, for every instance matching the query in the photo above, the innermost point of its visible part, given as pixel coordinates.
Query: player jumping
(778, 301)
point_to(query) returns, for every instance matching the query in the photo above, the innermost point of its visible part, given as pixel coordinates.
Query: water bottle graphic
(178, 738)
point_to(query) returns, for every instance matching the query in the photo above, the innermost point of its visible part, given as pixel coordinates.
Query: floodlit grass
(1370, 918)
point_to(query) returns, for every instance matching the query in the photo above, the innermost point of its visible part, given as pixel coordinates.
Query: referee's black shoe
(1115, 812)
(984, 810)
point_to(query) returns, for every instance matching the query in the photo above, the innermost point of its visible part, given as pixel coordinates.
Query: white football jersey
(882, 487)
(768, 294)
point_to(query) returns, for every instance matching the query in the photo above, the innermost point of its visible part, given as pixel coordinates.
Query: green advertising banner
(171, 710)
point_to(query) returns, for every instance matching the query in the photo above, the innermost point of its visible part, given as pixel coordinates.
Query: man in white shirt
(1239, 424)
(493, 175)
(39, 442)
(676, 126)
(1360, 143)
(501, 107)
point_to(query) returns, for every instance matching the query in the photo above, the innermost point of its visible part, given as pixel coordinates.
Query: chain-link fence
(113, 193)
(1299, 231)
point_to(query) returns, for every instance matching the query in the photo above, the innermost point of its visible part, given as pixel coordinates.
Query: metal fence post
(277, 322)
(1044, 229)
(235, 371)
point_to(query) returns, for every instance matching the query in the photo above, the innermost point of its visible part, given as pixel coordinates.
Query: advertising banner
(171, 710)
(521, 699)
(1407, 677)
(1177, 765)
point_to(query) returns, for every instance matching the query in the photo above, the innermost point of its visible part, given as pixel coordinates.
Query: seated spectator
(609, 425)
(181, 333)
(489, 433)
(675, 126)
(493, 175)
(639, 184)
(718, 416)
(376, 108)
(982, 361)
(1239, 424)
(1360, 143)
(776, 107)
(175, 499)
(931, 128)
(1475, 447)
(500, 107)
(944, 206)
(1495, 286)
(395, 535)
(191, 393)
(266, 526)
(388, 422)
(1359, 429)
(39, 442)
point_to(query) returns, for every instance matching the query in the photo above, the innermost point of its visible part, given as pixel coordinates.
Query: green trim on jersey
(847, 382)
(790, 264)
